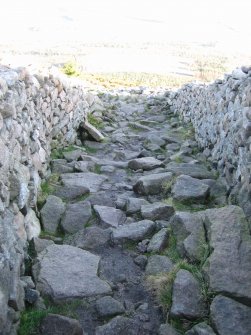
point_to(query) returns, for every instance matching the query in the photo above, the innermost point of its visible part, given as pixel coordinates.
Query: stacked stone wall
(221, 115)
(37, 113)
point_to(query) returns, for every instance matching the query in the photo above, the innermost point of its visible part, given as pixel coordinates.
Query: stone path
(138, 229)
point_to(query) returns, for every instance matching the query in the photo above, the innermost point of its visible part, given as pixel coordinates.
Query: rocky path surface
(137, 230)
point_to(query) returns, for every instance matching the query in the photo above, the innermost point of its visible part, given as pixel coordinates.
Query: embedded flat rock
(157, 211)
(192, 170)
(90, 180)
(144, 163)
(229, 265)
(135, 231)
(63, 272)
(230, 317)
(152, 184)
(109, 216)
(187, 300)
(191, 189)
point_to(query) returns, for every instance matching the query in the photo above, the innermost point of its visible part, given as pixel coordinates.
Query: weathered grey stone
(144, 163)
(192, 170)
(141, 261)
(70, 192)
(159, 241)
(166, 329)
(90, 180)
(76, 216)
(54, 324)
(188, 229)
(230, 317)
(107, 307)
(60, 166)
(118, 325)
(158, 264)
(31, 295)
(152, 184)
(187, 299)
(51, 213)
(107, 169)
(95, 133)
(133, 205)
(201, 329)
(32, 225)
(157, 211)
(90, 238)
(109, 216)
(136, 231)
(63, 272)
(229, 266)
(187, 188)
(38, 244)
(102, 198)
(73, 155)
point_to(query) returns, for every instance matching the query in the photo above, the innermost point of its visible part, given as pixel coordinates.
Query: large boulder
(187, 299)
(229, 266)
(152, 184)
(63, 272)
(230, 317)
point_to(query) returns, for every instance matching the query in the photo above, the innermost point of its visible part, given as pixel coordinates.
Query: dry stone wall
(221, 115)
(36, 113)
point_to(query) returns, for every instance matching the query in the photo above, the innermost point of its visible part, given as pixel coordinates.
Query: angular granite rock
(76, 216)
(63, 273)
(229, 266)
(201, 329)
(187, 300)
(135, 231)
(157, 211)
(92, 181)
(152, 184)
(54, 324)
(158, 264)
(109, 216)
(192, 170)
(230, 317)
(159, 241)
(133, 205)
(51, 213)
(190, 189)
(107, 307)
(144, 163)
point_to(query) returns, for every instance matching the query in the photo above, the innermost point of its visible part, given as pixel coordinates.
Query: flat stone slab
(63, 272)
(157, 211)
(90, 238)
(152, 184)
(59, 324)
(92, 181)
(229, 265)
(108, 306)
(135, 231)
(191, 189)
(76, 216)
(109, 216)
(70, 192)
(230, 317)
(158, 264)
(192, 170)
(187, 300)
(51, 213)
(145, 163)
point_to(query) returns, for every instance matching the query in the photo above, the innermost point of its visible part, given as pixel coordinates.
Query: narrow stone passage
(138, 231)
